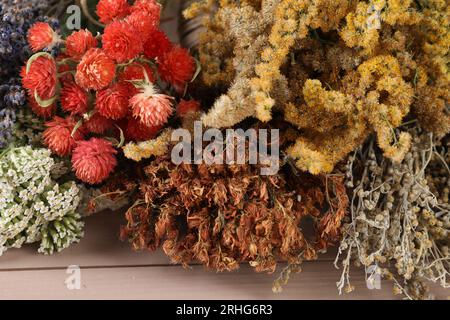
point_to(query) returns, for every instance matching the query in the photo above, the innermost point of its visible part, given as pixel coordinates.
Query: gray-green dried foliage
(400, 217)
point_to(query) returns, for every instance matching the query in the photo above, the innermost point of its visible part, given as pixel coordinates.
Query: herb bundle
(112, 88)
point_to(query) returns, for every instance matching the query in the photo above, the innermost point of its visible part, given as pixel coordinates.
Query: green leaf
(77, 126)
(122, 137)
(44, 103)
(35, 56)
(197, 71)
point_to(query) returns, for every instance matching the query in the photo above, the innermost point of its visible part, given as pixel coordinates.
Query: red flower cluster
(94, 160)
(107, 89)
(187, 106)
(79, 42)
(113, 102)
(137, 71)
(135, 130)
(41, 36)
(110, 10)
(74, 99)
(95, 70)
(46, 112)
(177, 67)
(121, 41)
(58, 136)
(150, 108)
(98, 124)
(40, 78)
(157, 45)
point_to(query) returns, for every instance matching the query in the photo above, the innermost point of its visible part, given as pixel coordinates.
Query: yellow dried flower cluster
(335, 70)
(146, 149)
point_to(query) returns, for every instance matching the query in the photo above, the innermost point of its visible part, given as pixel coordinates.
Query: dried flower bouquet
(357, 89)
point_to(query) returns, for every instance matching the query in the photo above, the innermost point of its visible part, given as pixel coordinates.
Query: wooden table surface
(111, 270)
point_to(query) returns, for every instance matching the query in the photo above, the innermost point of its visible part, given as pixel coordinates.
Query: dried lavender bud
(16, 17)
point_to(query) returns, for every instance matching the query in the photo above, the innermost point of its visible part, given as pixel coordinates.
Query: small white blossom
(34, 207)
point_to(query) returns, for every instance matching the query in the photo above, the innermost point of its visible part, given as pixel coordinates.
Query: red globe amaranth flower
(150, 108)
(157, 45)
(79, 42)
(65, 76)
(45, 113)
(95, 70)
(177, 67)
(41, 36)
(135, 71)
(41, 77)
(186, 106)
(74, 99)
(151, 7)
(137, 131)
(112, 102)
(143, 24)
(57, 137)
(121, 42)
(110, 10)
(98, 124)
(93, 160)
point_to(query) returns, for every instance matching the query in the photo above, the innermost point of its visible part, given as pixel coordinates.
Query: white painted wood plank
(100, 247)
(317, 281)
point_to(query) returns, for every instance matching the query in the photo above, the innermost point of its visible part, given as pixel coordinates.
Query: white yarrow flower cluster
(34, 207)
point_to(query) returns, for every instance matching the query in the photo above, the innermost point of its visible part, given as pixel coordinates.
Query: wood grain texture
(317, 281)
(110, 270)
(100, 247)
